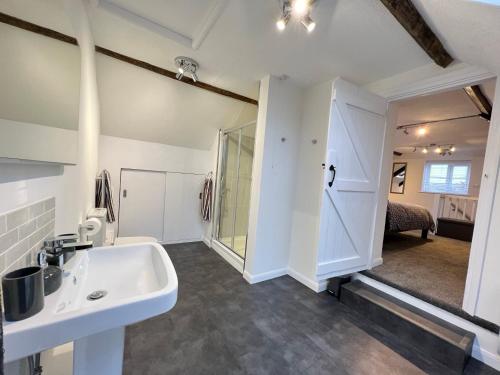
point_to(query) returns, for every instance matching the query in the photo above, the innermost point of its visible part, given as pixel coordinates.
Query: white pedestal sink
(139, 282)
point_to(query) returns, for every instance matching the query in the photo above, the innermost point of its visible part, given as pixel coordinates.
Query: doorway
(439, 152)
(237, 150)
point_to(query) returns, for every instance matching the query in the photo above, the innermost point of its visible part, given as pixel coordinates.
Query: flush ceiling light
(300, 10)
(186, 65)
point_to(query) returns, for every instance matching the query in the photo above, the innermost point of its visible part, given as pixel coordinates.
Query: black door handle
(332, 169)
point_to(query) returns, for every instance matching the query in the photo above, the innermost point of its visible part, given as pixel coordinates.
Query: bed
(402, 217)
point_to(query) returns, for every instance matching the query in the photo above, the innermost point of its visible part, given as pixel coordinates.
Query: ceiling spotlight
(452, 149)
(421, 131)
(283, 21)
(308, 23)
(438, 150)
(425, 150)
(186, 65)
(300, 7)
(299, 10)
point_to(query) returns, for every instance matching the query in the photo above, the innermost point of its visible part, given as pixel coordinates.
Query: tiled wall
(22, 232)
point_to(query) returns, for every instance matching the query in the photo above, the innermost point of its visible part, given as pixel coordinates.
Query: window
(446, 177)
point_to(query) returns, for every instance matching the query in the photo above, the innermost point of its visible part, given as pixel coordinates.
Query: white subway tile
(8, 240)
(16, 218)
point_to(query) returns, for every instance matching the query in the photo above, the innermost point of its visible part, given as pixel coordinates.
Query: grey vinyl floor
(222, 325)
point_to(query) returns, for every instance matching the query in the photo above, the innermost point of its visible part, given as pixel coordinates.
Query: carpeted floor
(436, 267)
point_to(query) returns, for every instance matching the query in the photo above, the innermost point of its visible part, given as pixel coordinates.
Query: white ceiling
(468, 135)
(357, 39)
(354, 38)
(470, 30)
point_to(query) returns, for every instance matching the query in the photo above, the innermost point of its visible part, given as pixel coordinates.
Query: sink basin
(138, 282)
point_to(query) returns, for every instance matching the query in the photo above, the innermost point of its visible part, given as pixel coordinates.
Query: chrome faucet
(58, 250)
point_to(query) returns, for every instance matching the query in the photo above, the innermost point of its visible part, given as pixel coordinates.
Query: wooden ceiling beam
(41, 30)
(408, 16)
(480, 100)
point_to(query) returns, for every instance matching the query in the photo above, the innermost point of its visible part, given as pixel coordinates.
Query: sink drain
(98, 294)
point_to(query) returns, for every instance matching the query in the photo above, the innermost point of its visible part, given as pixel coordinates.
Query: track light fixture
(299, 9)
(443, 150)
(186, 65)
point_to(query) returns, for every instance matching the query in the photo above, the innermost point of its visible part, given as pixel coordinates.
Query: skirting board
(486, 343)
(207, 241)
(252, 279)
(181, 241)
(230, 257)
(317, 286)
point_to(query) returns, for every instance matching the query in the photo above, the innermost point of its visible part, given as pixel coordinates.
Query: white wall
(273, 180)
(414, 174)
(308, 182)
(489, 284)
(21, 184)
(117, 153)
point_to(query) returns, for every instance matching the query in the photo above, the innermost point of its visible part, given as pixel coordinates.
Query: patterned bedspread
(402, 217)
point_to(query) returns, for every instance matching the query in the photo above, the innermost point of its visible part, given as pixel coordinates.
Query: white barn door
(350, 198)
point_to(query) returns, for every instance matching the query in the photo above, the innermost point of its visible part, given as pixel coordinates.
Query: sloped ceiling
(470, 30)
(357, 39)
(138, 104)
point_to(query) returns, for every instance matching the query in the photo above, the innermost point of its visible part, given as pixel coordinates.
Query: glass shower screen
(234, 193)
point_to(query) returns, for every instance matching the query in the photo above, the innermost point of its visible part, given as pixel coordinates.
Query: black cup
(22, 293)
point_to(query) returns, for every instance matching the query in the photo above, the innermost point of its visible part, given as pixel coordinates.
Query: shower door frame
(221, 166)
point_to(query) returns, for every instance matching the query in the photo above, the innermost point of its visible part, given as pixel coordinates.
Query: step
(429, 335)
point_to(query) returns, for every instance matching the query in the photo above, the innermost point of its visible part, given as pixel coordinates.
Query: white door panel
(183, 219)
(355, 145)
(142, 203)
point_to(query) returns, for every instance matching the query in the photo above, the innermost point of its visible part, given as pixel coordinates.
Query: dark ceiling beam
(409, 17)
(480, 100)
(25, 25)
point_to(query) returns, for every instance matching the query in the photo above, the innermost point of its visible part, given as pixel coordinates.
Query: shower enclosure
(234, 193)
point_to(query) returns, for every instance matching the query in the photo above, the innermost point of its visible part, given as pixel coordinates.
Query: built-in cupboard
(164, 205)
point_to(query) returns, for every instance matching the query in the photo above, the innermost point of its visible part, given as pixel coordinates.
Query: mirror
(39, 99)
(398, 178)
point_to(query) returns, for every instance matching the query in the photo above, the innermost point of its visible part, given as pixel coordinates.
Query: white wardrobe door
(183, 221)
(142, 198)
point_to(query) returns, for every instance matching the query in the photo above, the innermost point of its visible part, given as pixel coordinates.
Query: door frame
(460, 77)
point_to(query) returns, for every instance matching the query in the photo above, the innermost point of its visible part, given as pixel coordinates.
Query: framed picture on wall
(398, 178)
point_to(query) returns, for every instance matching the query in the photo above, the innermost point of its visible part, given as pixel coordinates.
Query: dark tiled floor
(222, 325)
